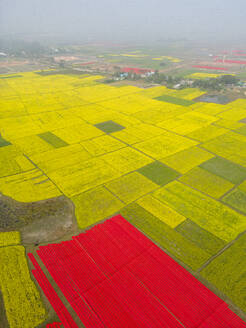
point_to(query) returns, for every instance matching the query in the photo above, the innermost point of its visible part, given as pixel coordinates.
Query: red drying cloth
(114, 276)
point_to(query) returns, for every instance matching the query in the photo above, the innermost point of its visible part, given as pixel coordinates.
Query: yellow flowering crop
(206, 133)
(234, 114)
(12, 161)
(95, 205)
(210, 214)
(21, 298)
(81, 176)
(126, 160)
(30, 186)
(154, 92)
(185, 160)
(165, 145)
(204, 75)
(137, 133)
(161, 210)
(206, 182)
(170, 58)
(231, 146)
(9, 238)
(102, 145)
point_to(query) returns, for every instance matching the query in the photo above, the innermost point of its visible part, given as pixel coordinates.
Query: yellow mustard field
(23, 305)
(9, 238)
(180, 167)
(205, 75)
(100, 136)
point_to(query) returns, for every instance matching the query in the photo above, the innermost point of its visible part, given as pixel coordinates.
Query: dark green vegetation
(4, 142)
(52, 139)
(176, 101)
(242, 129)
(10, 77)
(228, 272)
(201, 237)
(109, 126)
(159, 173)
(228, 79)
(217, 84)
(225, 169)
(172, 241)
(182, 73)
(67, 71)
(161, 78)
(236, 199)
(208, 84)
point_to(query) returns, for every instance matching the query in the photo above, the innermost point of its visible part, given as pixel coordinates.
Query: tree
(62, 63)
(228, 79)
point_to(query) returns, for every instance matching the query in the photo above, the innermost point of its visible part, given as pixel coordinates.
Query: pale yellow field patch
(138, 133)
(126, 160)
(206, 182)
(207, 133)
(81, 176)
(30, 186)
(95, 205)
(102, 145)
(10, 238)
(185, 160)
(22, 301)
(161, 211)
(165, 145)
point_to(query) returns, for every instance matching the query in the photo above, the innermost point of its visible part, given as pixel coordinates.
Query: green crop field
(159, 173)
(207, 182)
(211, 215)
(3, 142)
(183, 249)
(201, 237)
(228, 272)
(225, 169)
(53, 139)
(236, 199)
(173, 167)
(174, 100)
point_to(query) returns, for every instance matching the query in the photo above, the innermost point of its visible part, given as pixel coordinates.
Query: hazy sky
(125, 19)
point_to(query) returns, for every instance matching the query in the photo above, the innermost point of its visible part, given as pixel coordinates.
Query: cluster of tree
(170, 81)
(129, 76)
(133, 77)
(22, 48)
(109, 81)
(218, 83)
(160, 78)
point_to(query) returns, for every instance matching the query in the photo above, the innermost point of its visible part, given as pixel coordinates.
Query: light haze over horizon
(125, 20)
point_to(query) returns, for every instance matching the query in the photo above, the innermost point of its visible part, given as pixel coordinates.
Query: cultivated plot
(175, 167)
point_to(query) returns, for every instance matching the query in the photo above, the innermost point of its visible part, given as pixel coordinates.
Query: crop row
(22, 301)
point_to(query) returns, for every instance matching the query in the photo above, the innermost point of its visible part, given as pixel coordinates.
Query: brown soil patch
(38, 222)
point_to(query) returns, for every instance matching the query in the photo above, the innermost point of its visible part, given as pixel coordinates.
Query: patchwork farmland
(174, 168)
